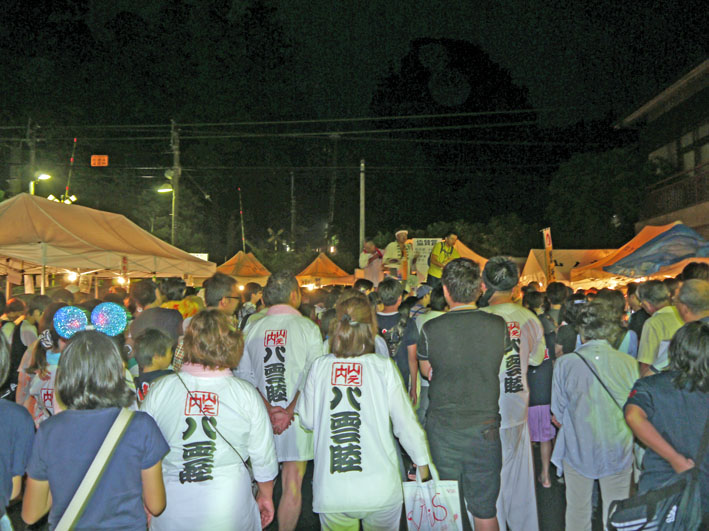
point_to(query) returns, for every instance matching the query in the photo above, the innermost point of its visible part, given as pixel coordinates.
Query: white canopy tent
(38, 236)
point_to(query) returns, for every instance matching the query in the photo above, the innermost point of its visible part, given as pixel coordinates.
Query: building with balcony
(674, 128)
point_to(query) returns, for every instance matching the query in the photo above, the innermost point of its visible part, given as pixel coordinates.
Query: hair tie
(45, 339)
(347, 319)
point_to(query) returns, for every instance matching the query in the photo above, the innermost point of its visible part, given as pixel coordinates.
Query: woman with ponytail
(351, 400)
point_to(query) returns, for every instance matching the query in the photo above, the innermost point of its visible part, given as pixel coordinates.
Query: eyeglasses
(231, 297)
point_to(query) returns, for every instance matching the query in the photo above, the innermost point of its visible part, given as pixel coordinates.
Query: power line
(480, 142)
(311, 121)
(369, 167)
(298, 168)
(328, 134)
(373, 118)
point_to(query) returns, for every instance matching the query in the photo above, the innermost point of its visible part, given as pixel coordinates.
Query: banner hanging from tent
(551, 276)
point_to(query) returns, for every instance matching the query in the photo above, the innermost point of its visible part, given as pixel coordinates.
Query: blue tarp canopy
(677, 243)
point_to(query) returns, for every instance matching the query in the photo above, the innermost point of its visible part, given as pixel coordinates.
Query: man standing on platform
(370, 259)
(442, 253)
(398, 256)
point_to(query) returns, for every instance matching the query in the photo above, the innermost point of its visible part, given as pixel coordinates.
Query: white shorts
(382, 520)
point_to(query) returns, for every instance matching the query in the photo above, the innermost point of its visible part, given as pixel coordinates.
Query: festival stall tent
(324, 272)
(655, 252)
(245, 267)
(565, 260)
(47, 236)
(466, 252)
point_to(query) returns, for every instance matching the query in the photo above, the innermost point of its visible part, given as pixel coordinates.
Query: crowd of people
(233, 388)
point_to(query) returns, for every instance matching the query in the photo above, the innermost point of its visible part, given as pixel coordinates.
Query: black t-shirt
(637, 321)
(465, 349)
(410, 336)
(566, 337)
(679, 416)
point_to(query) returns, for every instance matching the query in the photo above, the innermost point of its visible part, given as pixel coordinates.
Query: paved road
(550, 502)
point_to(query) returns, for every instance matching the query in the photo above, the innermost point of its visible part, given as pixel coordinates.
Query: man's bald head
(693, 300)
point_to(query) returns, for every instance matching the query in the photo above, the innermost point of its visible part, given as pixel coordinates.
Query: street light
(67, 200)
(166, 188)
(40, 177)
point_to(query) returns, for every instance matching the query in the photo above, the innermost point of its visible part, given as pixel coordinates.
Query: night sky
(258, 89)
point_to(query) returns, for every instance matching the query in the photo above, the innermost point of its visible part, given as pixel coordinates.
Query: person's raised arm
(643, 429)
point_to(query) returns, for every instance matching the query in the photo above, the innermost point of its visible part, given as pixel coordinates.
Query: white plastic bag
(432, 506)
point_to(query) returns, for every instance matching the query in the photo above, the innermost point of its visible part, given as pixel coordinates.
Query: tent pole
(44, 274)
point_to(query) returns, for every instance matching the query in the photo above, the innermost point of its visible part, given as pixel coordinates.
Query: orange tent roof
(466, 252)
(322, 271)
(594, 271)
(245, 267)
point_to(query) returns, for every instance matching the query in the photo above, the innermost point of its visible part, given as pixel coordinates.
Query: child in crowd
(357, 385)
(91, 389)
(15, 309)
(24, 334)
(45, 359)
(250, 300)
(153, 351)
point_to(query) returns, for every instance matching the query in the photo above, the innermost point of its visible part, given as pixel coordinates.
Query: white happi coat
(352, 404)
(206, 483)
(516, 504)
(278, 352)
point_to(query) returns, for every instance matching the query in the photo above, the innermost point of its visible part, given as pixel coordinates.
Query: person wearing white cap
(398, 255)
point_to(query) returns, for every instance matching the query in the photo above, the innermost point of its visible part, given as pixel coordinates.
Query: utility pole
(176, 173)
(292, 211)
(32, 144)
(71, 167)
(241, 214)
(15, 181)
(361, 205)
(333, 188)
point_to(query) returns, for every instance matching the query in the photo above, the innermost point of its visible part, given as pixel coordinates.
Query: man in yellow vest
(442, 253)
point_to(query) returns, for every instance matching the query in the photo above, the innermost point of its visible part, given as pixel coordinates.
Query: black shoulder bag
(674, 506)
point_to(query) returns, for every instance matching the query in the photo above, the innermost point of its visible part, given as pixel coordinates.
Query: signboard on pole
(99, 160)
(85, 283)
(422, 250)
(551, 276)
